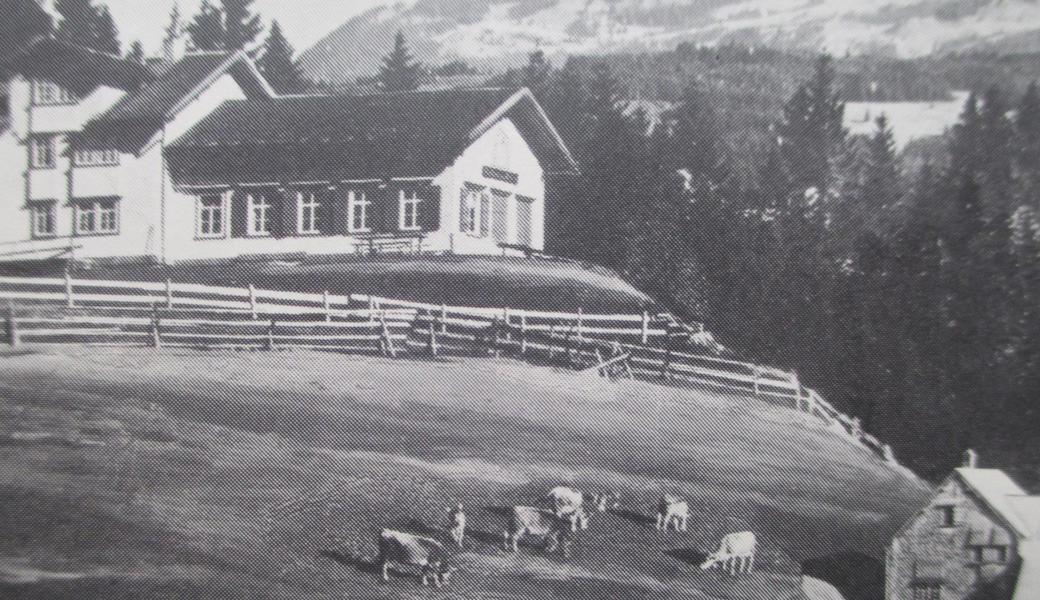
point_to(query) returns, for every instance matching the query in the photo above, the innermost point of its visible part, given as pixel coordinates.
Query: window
(926, 591)
(1002, 554)
(947, 515)
(307, 215)
(409, 212)
(46, 93)
(524, 209)
(210, 222)
(485, 213)
(259, 215)
(469, 211)
(97, 217)
(43, 219)
(357, 206)
(43, 152)
(978, 555)
(96, 158)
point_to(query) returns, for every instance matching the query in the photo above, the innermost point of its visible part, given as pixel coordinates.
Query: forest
(909, 297)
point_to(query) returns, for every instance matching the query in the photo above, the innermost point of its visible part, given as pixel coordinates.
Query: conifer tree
(881, 183)
(1026, 151)
(400, 71)
(206, 29)
(172, 35)
(106, 35)
(136, 52)
(277, 64)
(241, 26)
(23, 22)
(86, 25)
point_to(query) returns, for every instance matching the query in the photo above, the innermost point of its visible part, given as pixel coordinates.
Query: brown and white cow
(569, 503)
(429, 555)
(736, 551)
(528, 520)
(672, 511)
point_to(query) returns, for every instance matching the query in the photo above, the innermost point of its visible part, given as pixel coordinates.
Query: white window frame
(307, 208)
(43, 151)
(47, 212)
(97, 158)
(48, 93)
(358, 204)
(408, 210)
(258, 212)
(204, 216)
(470, 206)
(93, 217)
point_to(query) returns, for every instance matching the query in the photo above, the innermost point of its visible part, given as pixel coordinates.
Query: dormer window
(97, 158)
(947, 516)
(46, 93)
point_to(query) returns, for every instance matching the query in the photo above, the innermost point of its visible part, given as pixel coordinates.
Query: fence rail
(651, 347)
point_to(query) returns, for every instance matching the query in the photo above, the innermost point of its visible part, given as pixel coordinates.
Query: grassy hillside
(455, 280)
(130, 474)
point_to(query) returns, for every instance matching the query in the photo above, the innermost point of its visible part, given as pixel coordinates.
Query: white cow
(737, 550)
(672, 511)
(568, 504)
(528, 520)
(457, 524)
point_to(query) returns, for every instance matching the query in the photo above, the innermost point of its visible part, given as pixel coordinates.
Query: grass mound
(269, 475)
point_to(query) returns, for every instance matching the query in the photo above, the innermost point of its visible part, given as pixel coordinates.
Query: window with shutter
(500, 215)
(524, 209)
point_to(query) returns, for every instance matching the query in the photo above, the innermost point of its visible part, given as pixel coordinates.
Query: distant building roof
(910, 121)
(995, 488)
(329, 138)
(133, 121)
(76, 68)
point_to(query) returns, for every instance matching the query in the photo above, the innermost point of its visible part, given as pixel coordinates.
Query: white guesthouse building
(102, 158)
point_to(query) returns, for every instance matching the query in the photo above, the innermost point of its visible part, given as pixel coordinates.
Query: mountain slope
(503, 32)
(131, 474)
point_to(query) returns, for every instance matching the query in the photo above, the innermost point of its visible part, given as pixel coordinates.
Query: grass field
(141, 474)
(455, 280)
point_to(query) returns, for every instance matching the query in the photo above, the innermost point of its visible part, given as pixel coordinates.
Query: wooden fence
(651, 347)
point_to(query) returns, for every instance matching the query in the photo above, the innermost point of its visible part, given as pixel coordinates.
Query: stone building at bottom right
(978, 538)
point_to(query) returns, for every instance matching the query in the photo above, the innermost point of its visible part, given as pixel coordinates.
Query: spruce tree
(400, 71)
(241, 26)
(881, 184)
(277, 63)
(995, 152)
(1027, 148)
(106, 35)
(206, 29)
(136, 52)
(23, 21)
(172, 34)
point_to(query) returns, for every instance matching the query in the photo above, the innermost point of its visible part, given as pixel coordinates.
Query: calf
(568, 503)
(736, 550)
(672, 511)
(535, 521)
(457, 524)
(407, 549)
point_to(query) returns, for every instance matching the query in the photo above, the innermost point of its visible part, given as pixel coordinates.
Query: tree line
(912, 299)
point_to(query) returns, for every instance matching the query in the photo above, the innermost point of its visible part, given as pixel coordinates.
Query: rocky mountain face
(499, 33)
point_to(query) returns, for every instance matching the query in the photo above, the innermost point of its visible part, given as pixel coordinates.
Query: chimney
(971, 459)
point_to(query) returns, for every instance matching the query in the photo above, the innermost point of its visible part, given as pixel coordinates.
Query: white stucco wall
(26, 118)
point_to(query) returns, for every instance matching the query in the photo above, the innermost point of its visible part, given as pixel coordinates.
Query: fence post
(325, 304)
(645, 329)
(523, 333)
(371, 311)
(169, 293)
(509, 325)
(552, 341)
(156, 337)
(580, 314)
(12, 327)
(69, 301)
(270, 335)
(252, 300)
(433, 336)
(444, 318)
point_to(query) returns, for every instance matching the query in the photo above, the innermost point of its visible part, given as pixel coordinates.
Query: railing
(658, 348)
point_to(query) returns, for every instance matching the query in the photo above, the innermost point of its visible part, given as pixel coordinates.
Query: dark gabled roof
(330, 138)
(132, 121)
(81, 70)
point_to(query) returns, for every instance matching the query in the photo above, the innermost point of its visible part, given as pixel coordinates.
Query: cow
(568, 503)
(407, 549)
(672, 511)
(535, 521)
(603, 502)
(736, 550)
(457, 524)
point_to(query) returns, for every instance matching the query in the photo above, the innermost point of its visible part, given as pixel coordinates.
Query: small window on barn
(259, 215)
(947, 516)
(409, 210)
(926, 590)
(358, 205)
(307, 219)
